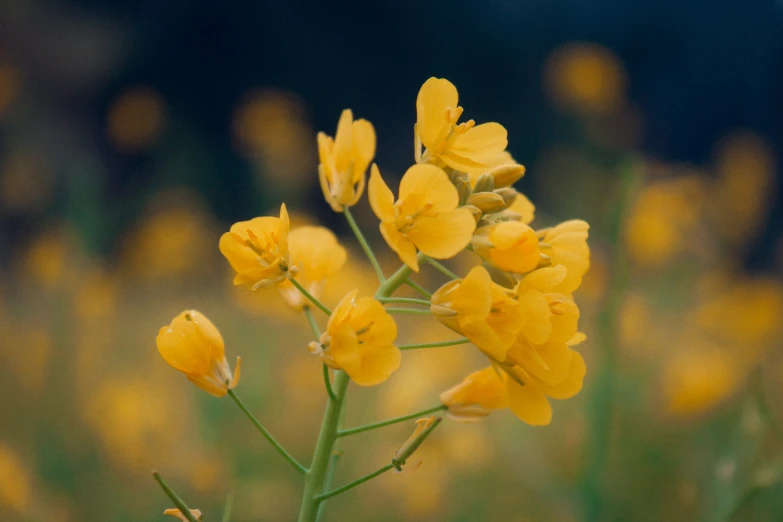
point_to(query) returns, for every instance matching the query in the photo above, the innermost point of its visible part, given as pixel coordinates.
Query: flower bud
(423, 428)
(508, 194)
(487, 202)
(507, 175)
(484, 183)
(475, 211)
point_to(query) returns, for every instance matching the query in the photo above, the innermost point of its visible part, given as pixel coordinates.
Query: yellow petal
(363, 147)
(549, 363)
(379, 361)
(234, 249)
(316, 252)
(565, 324)
(572, 383)
(484, 387)
(428, 183)
(400, 244)
(434, 97)
(343, 141)
(345, 350)
(544, 279)
(537, 326)
(476, 149)
(381, 197)
(529, 404)
(371, 315)
(445, 235)
(191, 343)
(473, 298)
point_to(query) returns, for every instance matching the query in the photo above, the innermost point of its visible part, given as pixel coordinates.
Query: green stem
(442, 269)
(178, 502)
(398, 278)
(343, 489)
(280, 449)
(365, 245)
(309, 296)
(227, 508)
(440, 344)
(423, 291)
(316, 476)
(328, 383)
(408, 311)
(368, 427)
(404, 300)
(311, 321)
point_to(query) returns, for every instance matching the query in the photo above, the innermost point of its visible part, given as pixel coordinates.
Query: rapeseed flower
(344, 160)
(359, 339)
(566, 244)
(258, 250)
(317, 255)
(425, 217)
(509, 245)
(192, 345)
(480, 310)
(465, 147)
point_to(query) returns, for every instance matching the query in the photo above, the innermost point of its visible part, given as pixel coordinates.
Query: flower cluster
(516, 304)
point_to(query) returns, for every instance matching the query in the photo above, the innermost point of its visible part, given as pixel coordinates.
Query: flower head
(425, 217)
(317, 255)
(192, 345)
(509, 245)
(258, 250)
(465, 147)
(566, 244)
(344, 160)
(359, 339)
(480, 310)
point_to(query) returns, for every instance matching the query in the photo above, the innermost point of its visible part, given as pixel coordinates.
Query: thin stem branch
(408, 311)
(440, 344)
(328, 383)
(368, 427)
(311, 321)
(365, 245)
(398, 278)
(227, 508)
(178, 502)
(343, 489)
(442, 269)
(310, 297)
(404, 300)
(280, 449)
(423, 291)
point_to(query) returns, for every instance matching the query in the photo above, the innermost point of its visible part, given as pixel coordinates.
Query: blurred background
(133, 134)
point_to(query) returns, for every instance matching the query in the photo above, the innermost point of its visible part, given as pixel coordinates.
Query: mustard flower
(509, 245)
(425, 217)
(192, 345)
(566, 244)
(258, 250)
(344, 160)
(465, 147)
(317, 255)
(359, 339)
(480, 310)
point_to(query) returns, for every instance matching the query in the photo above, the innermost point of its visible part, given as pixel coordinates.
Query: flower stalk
(389, 422)
(183, 508)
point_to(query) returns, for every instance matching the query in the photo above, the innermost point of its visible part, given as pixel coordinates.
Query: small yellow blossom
(359, 339)
(344, 160)
(317, 255)
(697, 380)
(425, 217)
(258, 250)
(509, 245)
(15, 487)
(465, 147)
(175, 512)
(566, 244)
(192, 345)
(480, 310)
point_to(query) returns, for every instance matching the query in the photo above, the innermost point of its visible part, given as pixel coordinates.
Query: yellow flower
(344, 160)
(192, 345)
(509, 245)
(476, 396)
(566, 244)
(548, 314)
(175, 512)
(466, 147)
(697, 380)
(258, 250)
(425, 216)
(359, 339)
(317, 255)
(480, 310)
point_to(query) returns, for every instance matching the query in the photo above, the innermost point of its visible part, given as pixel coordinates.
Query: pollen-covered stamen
(464, 127)
(555, 308)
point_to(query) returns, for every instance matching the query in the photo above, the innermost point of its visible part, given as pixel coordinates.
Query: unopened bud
(484, 183)
(508, 194)
(500, 277)
(423, 428)
(475, 211)
(487, 202)
(464, 191)
(507, 175)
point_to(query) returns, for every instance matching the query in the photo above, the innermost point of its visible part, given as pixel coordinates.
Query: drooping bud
(487, 202)
(423, 429)
(507, 175)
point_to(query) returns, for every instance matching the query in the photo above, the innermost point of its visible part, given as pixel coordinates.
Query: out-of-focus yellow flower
(175, 512)
(695, 381)
(566, 244)
(258, 250)
(359, 339)
(318, 256)
(192, 345)
(425, 216)
(136, 119)
(344, 160)
(480, 310)
(96, 295)
(465, 147)
(548, 315)
(46, 259)
(509, 245)
(14, 481)
(585, 77)
(26, 183)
